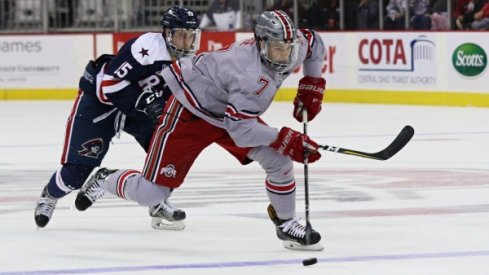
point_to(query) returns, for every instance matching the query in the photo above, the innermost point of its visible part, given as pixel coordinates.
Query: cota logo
(469, 60)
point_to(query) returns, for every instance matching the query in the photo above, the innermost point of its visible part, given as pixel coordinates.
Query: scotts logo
(469, 59)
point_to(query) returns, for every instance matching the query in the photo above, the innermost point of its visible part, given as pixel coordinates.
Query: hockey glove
(295, 144)
(309, 97)
(151, 103)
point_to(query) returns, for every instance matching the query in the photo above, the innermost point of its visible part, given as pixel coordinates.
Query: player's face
(183, 39)
(279, 52)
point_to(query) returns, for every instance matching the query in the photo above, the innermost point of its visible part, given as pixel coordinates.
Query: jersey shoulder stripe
(187, 91)
(177, 73)
(310, 38)
(150, 47)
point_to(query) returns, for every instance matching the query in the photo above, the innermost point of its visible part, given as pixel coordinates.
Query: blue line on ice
(255, 263)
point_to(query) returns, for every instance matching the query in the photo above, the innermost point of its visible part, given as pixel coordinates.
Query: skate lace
(46, 206)
(294, 228)
(164, 209)
(95, 191)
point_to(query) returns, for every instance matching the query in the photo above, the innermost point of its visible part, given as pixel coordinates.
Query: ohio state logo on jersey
(92, 148)
(169, 171)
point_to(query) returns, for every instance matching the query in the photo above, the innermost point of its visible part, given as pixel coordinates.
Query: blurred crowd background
(58, 16)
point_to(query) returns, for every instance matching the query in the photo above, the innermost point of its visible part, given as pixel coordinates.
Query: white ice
(425, 211)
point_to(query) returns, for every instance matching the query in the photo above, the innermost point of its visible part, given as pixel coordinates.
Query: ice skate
(293, 233)
(165, 217)
(93, 189)
(44, 208)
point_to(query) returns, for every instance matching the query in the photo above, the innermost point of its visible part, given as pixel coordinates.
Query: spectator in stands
(481, 18)
(458, 10)
(61, 13)
(4, 14)
(314, 17)
(350, 14)
(367, 15)
(333, 17)
(396, 10)
(321, 15)
(439, 18)
(465, 11)
(317, 16)
(421, 18)
(222, 15)
(288, 7)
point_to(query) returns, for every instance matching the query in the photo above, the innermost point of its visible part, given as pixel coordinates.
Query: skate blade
(297, 246)
(162, 224)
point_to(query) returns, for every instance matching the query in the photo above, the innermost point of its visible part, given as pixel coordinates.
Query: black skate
(44, 208)
(165, 216)
(293, 233)
(93, 189)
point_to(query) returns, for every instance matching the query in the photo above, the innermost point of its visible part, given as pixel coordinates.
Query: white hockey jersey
(231, 87)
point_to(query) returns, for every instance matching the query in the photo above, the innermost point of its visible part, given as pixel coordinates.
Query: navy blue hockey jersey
(119, 80)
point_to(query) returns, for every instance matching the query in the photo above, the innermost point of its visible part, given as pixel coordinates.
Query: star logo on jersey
(92, 148)
(144, 52)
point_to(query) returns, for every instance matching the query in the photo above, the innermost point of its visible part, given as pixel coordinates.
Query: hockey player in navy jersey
(223, 94)
(121, 93)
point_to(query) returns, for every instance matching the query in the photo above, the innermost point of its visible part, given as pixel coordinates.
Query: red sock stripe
(121, 182)
(282, 189)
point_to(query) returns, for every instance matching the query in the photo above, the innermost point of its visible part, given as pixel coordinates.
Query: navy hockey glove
(151, 103)
(295, 145)
(309, 97)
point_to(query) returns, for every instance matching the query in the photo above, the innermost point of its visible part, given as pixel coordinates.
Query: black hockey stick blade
(399, 142)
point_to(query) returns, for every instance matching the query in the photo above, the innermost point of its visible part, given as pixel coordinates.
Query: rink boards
(422, 68)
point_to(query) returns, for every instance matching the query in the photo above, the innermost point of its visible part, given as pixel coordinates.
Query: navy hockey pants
(92, 125)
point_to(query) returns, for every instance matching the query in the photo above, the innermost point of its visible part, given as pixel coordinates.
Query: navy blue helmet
(181, 31)
(182, 18)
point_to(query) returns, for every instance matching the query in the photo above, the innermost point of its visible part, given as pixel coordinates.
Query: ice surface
(425, 211)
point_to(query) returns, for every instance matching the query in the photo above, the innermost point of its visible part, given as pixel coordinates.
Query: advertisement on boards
(396, 61)
(467, 67)
(332, 70)
(209, 41)
(34, 61)
(120, 38)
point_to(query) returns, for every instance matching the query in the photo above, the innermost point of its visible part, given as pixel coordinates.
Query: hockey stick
(399, 142)
(306, 181)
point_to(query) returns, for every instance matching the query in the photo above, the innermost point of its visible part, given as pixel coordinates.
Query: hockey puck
(309, 261)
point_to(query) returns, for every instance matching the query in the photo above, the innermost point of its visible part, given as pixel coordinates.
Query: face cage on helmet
(281, 67)
(178, 53)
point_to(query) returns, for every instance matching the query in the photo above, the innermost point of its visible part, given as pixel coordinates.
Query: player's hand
(295, 145)
(309, 97)
(151, 103)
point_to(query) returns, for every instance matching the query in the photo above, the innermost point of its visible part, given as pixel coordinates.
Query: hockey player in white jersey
(218, 97)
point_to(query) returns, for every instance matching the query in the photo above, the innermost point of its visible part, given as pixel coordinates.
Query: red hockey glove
(294, 144)
(309, 97)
